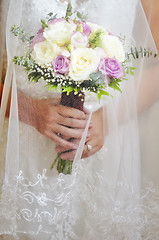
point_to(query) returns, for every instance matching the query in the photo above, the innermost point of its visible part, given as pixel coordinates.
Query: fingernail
(63, 156)
(91, 124)
(57, 150)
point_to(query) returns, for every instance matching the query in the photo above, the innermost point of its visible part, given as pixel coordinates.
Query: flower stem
(54, 162)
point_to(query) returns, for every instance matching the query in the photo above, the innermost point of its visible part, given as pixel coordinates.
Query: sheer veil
(113, 194)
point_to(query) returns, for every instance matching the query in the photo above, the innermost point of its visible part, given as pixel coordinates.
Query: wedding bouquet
(77, 56)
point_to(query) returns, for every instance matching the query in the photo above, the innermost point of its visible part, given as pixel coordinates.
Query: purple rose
(38, 38)
(86, 28)
(111, 67)
(61, 64)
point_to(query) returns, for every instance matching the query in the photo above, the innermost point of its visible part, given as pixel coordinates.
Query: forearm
(26, 109)
(148, 92)
(151, 8)
(9, 99)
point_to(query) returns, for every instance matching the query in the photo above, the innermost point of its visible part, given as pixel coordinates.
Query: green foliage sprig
(94, 84)
(68, 11)
(36, 71)
(81, 16)
(143, 52)
(95, 39)
(43, 23)
(52, 16)
(18, 31)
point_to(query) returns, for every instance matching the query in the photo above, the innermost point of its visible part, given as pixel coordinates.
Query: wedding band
(89, 147)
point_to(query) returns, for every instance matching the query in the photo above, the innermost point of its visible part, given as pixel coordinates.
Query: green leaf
(34, 76)
(95, 39)
(75, 89)
(125, 78)
(81, 16)
(51, 86)
(143, 52)
(132, 70)
(67, 89)
(53, 17)
(102, 92)
(68, 46)
(97, 78)
(115, 85)
(44, 25)
(80, 28)
(68, 11)
(50, 14)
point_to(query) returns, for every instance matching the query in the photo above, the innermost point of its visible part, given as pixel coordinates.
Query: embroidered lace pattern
(74, 207)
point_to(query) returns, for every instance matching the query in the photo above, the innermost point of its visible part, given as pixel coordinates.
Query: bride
(112, 192)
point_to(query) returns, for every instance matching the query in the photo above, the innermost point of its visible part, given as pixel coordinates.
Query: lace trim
(63, 210)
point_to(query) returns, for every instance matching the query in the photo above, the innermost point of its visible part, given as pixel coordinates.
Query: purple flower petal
(111, 67)
(61, 64)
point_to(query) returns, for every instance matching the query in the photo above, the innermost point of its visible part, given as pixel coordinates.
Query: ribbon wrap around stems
(75, 100)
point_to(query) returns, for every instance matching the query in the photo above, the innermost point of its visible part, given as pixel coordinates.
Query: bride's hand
(52, 119)
(95, 139)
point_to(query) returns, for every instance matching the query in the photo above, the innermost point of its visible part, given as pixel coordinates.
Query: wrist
(27, 106)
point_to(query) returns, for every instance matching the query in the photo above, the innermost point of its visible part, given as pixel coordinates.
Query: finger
(68, 132)
(71, 112)
(86, 152)
(69, 155)
(60, 141)
(72, 122)
(86, 111)
(60, 149)
(53, 100)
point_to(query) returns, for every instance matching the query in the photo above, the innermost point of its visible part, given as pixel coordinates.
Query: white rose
(101, 53)
(79, 40)
(45, 52)
(59, 32)
(113, 47)
(95, 27)
(65, 52)
(84, 61)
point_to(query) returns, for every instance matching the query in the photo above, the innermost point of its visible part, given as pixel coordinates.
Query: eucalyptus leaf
(50, 14)
(81, 16)
(97, 78)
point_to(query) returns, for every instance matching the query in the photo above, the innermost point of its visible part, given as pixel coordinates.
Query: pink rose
(86, 28)
(79, 39)
(61, 64)
(111, 67)
(56, 20)
(38, 38)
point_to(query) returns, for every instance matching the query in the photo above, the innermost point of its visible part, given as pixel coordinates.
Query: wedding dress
(114, 193)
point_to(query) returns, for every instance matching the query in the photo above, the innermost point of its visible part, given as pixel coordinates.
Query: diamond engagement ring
(89, 147)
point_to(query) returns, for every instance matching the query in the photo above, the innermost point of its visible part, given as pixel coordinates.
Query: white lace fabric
(106, 197)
